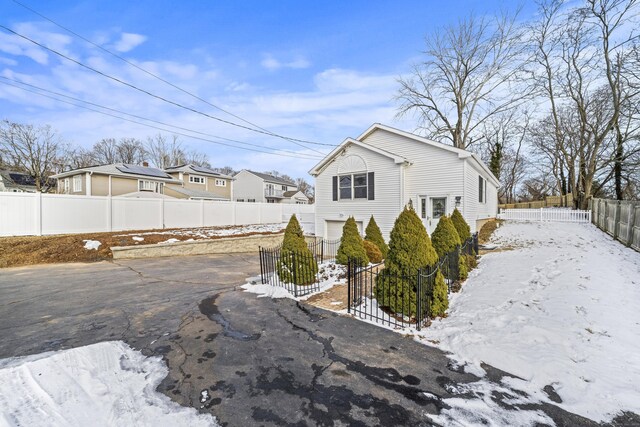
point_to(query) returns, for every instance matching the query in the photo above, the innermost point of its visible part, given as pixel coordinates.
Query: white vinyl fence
(23, 214)
(545, 214)
(618, 218)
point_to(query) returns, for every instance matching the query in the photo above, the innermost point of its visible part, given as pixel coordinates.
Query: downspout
(90, 184)
(464, 188)
(402, 166)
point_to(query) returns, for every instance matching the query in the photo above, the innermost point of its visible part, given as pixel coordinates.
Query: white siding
(474, 210)
(386, 206)
(248, 186)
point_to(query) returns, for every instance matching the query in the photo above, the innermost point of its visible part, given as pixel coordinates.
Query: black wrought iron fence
(397, 300)
(295, 271)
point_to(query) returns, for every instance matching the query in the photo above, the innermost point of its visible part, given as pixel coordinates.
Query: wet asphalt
(247, 360)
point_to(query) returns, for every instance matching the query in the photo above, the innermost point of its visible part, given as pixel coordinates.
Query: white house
(384, 169)
(250, 186)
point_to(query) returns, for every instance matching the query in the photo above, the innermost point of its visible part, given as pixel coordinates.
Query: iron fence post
(349, 284)
(321, 250)
(261, 265)
(419, 302)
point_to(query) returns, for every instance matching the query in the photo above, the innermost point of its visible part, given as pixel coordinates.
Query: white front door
(431, 209)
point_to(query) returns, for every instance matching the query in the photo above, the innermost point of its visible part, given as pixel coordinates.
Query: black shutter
(335, 188)
(371, 187)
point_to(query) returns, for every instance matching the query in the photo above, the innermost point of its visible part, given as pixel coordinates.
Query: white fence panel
(74, 214)
(136, 214)
(219, 213)
(18, 214)
(34, 214)
(546, 214)
(183, 213)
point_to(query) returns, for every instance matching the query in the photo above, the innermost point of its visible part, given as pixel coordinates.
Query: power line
(150, 120)
(294, 140)
(298, 156)
(132, 86)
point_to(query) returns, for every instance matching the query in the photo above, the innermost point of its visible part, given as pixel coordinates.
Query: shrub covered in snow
(374, 235)
(297, 264)
(373, 252)
(464, 232)
(409, 250)
(445, 237)
(351, 245)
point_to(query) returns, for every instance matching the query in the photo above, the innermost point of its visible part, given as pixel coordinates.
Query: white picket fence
(23, 214)
(546, 214)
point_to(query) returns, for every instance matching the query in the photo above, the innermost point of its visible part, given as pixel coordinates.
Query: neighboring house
(16, 182)
(384, 169)
(117, 179)
(252, 186)
(199, 183)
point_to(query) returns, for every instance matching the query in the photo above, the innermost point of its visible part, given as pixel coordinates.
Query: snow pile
(561, 310)
(329, 275)
(91, 244)
(138, 238)
(101, 384)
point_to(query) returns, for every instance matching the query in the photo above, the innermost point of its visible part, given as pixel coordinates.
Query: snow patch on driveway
(107, 383)
(91, 244)
(561, 310)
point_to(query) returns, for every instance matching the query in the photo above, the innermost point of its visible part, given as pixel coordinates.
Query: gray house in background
(256, 187)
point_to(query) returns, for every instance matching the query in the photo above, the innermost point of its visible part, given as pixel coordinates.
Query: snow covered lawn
(98, 385)
(562, 309)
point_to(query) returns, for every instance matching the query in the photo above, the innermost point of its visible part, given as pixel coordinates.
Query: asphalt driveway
(261, 361)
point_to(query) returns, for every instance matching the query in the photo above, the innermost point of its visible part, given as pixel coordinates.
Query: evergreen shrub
(464, 232)
(351, 245)
(409, 250)
(297, 264)
(374, 235)
(373, 252)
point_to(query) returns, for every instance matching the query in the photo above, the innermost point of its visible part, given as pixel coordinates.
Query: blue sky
(317, 71)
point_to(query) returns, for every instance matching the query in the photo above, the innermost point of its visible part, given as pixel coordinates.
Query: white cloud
(272, 64)
(129, 41)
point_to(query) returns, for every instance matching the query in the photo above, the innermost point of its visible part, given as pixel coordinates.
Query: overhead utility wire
(152, 120)
(177, 104)
(294, 140)
(159, 128)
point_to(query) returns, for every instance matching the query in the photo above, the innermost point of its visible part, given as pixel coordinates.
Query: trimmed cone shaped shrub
(409, 250)
(373, 235)
(464, 232)
(373, 252)
(297, 264)
(351, 245)
(439, 302)
(463, 271)
(445, 238)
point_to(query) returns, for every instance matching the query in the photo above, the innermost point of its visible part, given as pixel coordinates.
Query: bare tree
(105, 151)
(306, 188)
(164, 152)
(226, 170)
(130, 150)
(469, 76)
(32, 149)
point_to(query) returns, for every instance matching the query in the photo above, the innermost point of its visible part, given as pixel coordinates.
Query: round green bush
(445, 237)
(296, 264)
(464, 232)
(373, 252)
(351, 245)
(374, 235)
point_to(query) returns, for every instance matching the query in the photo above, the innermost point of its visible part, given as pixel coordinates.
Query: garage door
(334, 229)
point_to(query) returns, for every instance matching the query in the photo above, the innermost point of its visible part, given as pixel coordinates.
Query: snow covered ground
(207, 232)
(104, 384)
(560, 309)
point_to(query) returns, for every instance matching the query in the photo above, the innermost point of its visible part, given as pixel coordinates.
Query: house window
(221, 183)
(251, 200)
(284, 188)
(270, 201)
(423, 207)
(196, 179)
(239, 200)
(482, 190)
(439, 207)
(345, 187)
(77, 183)
(353, 186)
(66, 186)
(153, 186)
